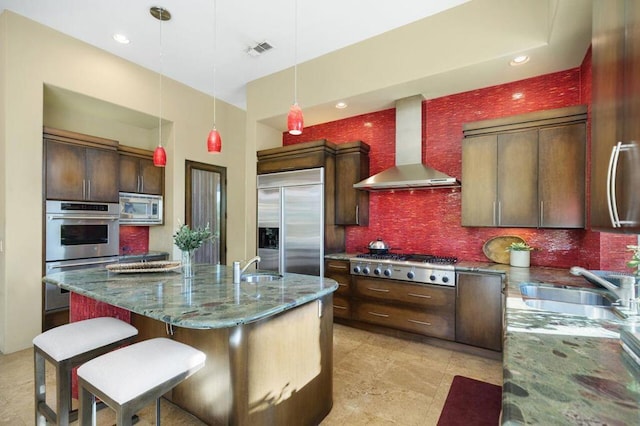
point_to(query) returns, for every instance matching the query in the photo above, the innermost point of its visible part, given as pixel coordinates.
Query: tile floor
(378, 380)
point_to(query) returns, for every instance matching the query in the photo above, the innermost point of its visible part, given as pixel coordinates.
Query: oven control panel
(418, 273)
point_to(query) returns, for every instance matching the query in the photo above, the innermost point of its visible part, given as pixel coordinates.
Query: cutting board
(495, 248)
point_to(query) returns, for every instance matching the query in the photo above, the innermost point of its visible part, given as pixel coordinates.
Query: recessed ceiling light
(519, 60)
(341, 105)
(517, 95)
(121, 38)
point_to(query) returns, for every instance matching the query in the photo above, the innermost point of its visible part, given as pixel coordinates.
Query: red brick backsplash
(428, 221)
(134, 239)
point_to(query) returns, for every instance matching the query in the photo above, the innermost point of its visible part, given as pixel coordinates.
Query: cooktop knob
(365, 270)
(432, 277)
(387, 272)
(411, 275)
(445, 279)
(356, 269)
(377, 271)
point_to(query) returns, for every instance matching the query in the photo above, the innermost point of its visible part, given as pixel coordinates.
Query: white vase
(520, 258)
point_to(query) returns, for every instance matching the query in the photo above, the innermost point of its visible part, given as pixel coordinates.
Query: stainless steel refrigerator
(291, 221)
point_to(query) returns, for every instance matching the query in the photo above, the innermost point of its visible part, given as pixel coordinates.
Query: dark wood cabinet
(479, 310)
(137, 172)
(352, 166)
(339, 270)
(423, 309)
(615, 120)
(526, 170)
(80, 167)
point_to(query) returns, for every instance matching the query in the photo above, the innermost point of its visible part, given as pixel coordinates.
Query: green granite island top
(208, 300)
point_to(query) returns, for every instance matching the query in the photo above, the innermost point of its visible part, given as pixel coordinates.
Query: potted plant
(188, 240)
(635, 259)
(520, 254)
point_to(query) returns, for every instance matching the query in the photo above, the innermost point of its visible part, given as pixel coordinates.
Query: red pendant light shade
(214, 141)
(295, 120)
(159, 157)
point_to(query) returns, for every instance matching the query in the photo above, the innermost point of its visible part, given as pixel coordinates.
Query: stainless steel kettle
(378, 247)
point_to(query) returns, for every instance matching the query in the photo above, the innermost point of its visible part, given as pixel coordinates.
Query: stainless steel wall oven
(78, 235)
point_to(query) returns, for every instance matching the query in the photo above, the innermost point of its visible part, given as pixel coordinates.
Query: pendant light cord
(295, 52)
(160, 95)
(215, 49)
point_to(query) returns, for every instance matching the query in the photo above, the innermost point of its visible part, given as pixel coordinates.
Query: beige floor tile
(377, 380)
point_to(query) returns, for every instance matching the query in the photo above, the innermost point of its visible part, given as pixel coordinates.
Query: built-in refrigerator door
(302, 229)
(269, 214)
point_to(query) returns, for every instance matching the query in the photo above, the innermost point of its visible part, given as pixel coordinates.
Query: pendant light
(295, 120)
(214, 141)
(160, 155)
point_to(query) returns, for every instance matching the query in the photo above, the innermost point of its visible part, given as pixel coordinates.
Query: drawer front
(341, 307)
(439, 323)
(339, 270)
(419, 295)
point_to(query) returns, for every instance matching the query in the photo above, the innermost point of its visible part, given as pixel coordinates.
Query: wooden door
(480, 180)
(607, 93)
(518, 179)
(151, 177)
(65, 171)
(561, 176)
(102, 175)
(129, 178)
(479, 310)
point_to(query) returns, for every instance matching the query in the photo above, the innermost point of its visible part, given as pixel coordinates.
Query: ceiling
(191, 49)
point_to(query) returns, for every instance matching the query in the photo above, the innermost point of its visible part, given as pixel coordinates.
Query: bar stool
(130, 378)
(66, 347)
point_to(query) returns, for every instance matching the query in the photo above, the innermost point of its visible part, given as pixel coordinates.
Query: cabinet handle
(424, 296)
(343, 285)
(141, 183)
(379, 290)
(339, 307)
(376, 314)
(419, 322)
(337, 266)
(494, 213)
(89, 189)
(611, 185)
(357, 215)
(541, 213)
(84, 189)
(499, 212)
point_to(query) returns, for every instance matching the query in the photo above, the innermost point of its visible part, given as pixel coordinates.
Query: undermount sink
(568, 300)
(259, 277)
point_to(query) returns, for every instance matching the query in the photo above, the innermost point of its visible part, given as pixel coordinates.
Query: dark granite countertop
(208, 300)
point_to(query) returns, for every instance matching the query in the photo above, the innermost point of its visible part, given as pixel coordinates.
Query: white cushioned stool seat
(131, 377)
(66, 347)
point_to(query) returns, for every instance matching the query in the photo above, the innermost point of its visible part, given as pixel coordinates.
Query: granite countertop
(208, 300)
(560, 369)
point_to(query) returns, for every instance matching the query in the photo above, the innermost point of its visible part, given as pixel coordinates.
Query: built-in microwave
(140, 209)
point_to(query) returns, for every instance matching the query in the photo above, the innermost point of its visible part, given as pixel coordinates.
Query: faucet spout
(255, 259)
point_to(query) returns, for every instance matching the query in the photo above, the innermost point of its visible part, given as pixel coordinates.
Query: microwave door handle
(79, 217)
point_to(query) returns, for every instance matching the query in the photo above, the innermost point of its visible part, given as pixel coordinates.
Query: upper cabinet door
(151, 177)
(102, 175)
(517, 179)
(65, 171)
(479, 179)
(561, 176)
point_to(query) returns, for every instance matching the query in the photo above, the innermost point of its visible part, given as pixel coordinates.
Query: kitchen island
(268, 344)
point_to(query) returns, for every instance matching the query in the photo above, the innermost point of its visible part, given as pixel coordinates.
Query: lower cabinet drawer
(341, 307)
(438, 323)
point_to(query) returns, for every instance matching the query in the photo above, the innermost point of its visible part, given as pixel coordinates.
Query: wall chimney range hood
(407, 173)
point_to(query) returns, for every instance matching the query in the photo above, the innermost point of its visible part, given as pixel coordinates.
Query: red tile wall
(134, 239)
(428, 221)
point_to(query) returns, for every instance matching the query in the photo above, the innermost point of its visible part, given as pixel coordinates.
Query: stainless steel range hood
(409, 172)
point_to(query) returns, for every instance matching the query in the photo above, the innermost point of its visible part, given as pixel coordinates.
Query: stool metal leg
(158, 412)
(63, 392)
(40, 386)
(87, 401)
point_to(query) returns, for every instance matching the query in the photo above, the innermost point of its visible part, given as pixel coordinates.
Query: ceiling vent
(259, 49)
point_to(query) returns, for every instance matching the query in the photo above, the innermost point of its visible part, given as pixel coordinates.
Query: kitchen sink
(566, 294)
(569, 300)
(259, 277)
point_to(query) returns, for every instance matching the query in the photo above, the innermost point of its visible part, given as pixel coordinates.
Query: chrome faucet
(238, 271)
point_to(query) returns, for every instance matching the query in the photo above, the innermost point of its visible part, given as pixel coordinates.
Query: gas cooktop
(419, 268)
